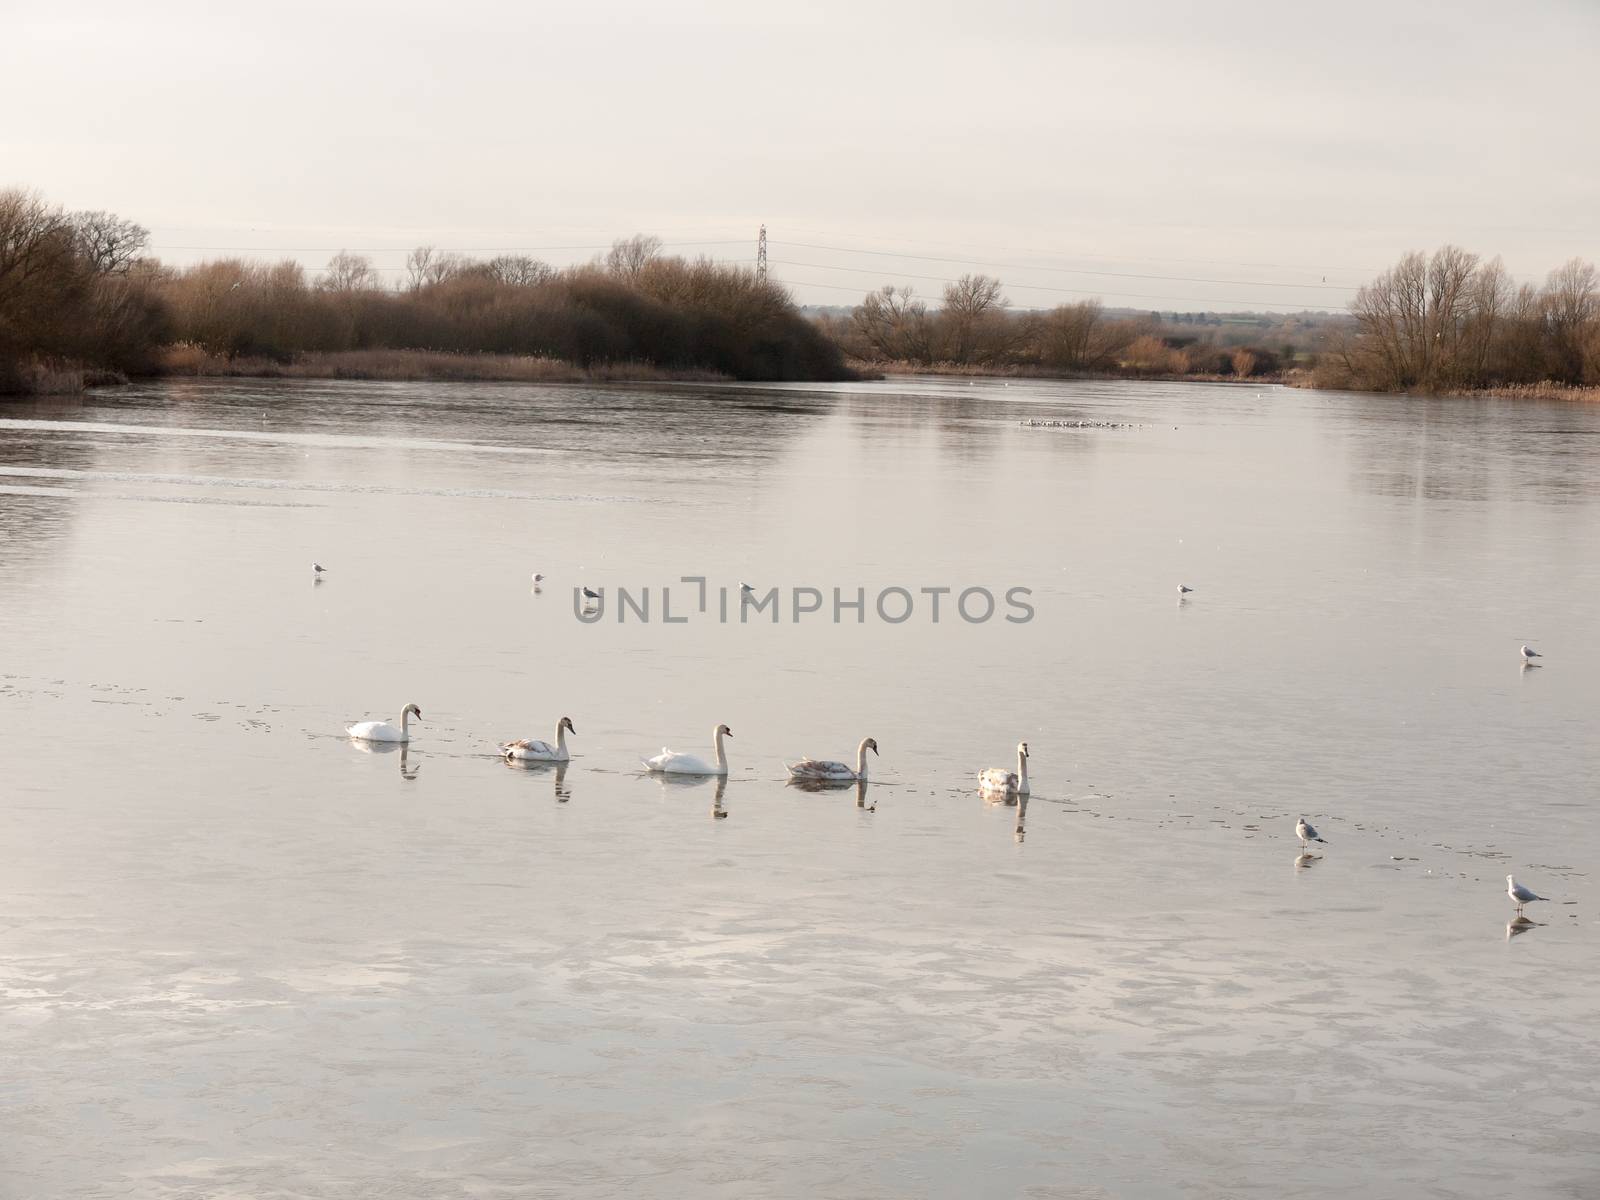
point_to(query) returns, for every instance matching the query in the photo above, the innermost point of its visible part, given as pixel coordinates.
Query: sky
(1175, 156)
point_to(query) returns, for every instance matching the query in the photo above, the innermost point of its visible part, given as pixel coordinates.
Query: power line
(1252, 305)
(1030, 287)
(1215, 262)
(1326, 287)
(443, 249)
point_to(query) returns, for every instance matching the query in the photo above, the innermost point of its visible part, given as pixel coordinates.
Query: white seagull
(1184, 589)
(1521, 895)
(1529, 654)
(538, 578)
(589, 593)
(317, 569)
(1307, 832)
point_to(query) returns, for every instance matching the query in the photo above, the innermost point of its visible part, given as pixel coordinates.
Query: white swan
(998, 779)
(529, 750)
(382, 731)
(670, 762)
(820, 771)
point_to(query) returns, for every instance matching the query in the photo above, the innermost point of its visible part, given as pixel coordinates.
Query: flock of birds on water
(996, 783)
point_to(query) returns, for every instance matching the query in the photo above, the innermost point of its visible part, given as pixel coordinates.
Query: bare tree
(629, 256)
(973, 323)
(44, 281)
(108, 243)
(348, 272)
(895, 324)
(973, 295)
(1571, 312)
(1414, 319)
(428, 265)
(519, 270)
(1077, 337)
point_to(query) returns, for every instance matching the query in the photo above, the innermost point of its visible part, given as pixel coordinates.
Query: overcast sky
(1262, 146)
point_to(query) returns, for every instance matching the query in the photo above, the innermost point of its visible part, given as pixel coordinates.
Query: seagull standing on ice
(1184, 589)
(1307, 832)
(1521, 895)
(1529, 654)
(318, 569)
(538, 578)
(589, 593)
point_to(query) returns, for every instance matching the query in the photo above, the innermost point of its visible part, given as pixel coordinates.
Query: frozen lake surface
(243, 957)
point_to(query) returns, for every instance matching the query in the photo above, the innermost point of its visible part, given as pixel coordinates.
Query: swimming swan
(382, 731)
(820, 771)
(998, 779)
(529, 750)
(670, 762)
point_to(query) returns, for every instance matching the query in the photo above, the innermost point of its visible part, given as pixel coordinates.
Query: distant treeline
(76, 293)
(975, 328)
(1446, 322)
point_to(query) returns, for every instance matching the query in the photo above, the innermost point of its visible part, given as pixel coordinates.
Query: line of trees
(76, 292)
(975, 328)
(1452, 321)
(634, 306)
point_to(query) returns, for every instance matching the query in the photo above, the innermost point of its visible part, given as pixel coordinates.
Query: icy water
(241, 956)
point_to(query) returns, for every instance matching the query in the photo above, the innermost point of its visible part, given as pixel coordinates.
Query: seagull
(1307, 832)
(1184, 589)
(590, 594)
(317, 568)
(1529, 654)
(1521, 895)
(745, 587)
(538, 578)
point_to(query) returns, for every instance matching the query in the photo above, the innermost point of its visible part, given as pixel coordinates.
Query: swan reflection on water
(1520, 925)
(858, 786)
(1305, 860)
(1022, 815)
(717, 811)
(534, 766)
(408, 770)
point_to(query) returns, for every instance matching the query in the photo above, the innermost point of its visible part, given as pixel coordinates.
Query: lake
(244, 956)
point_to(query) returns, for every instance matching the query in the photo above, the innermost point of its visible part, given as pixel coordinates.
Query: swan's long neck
(405, 721)
(561, 737)
(1022, 770)
(722, 759)
(861, 761)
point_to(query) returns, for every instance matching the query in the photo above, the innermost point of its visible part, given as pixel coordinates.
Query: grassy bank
(1545, 390)
(422, 365)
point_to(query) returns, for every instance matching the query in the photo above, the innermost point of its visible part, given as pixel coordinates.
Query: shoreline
(432, 366)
